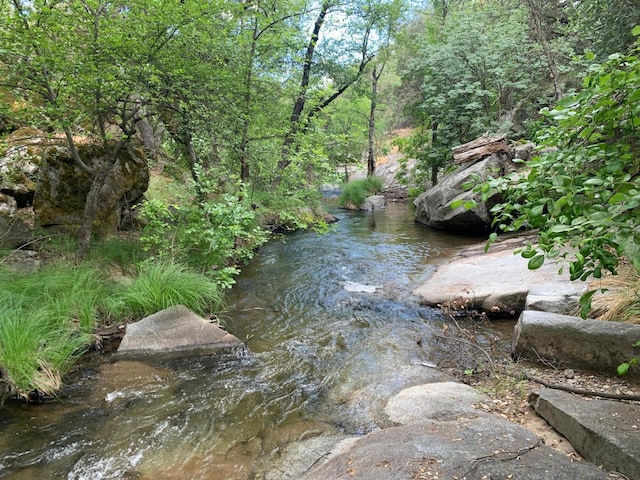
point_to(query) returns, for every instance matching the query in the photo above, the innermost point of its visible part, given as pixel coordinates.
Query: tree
(604, 26)
(69, 61)
(481, 71)
(368, 25)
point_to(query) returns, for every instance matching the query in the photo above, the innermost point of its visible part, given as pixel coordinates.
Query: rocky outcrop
(37, 169)
(572, 342)
(603, 431)
(484, 157)
(441, 435)
(499, 282)
(433, 207)
(175, 330)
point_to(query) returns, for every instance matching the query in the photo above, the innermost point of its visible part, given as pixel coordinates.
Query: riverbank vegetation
(246, 110)
(355, 192)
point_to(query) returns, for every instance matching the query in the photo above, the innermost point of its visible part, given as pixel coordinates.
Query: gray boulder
(174, 330)
(605, 432)
(433, 208)
(575, 343)
(374, 202)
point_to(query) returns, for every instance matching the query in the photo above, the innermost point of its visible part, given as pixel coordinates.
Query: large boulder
(573, 342)
(499, 282)
(175, 330)
(38, 169)
(433, 208)
(63, 187)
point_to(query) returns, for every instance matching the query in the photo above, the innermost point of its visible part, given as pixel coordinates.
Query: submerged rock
(174, 330)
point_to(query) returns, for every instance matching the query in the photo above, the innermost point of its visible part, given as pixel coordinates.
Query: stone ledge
(572, 342)
(605, 432)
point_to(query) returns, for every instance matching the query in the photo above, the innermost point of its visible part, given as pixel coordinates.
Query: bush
(585, 193)
(208, 236)
(357, 191)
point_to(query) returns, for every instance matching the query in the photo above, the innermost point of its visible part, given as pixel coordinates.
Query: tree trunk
(89, 213)
(298, 107)
(371, 157)
(542, 35)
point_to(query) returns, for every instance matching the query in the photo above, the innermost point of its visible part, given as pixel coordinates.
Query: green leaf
(623, 368)
(636, 31)
(536, 262)
(618, 198)
(585, 303)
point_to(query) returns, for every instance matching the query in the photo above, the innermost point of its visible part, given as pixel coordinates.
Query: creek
(331, 332)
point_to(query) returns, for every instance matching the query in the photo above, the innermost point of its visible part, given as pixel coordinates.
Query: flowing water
(331, 332)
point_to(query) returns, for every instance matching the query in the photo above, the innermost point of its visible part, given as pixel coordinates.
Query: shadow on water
(331, 331)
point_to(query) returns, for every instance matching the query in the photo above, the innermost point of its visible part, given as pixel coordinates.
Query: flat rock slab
(174, 330)
(605, 432)
(499, 282)
(468, 448)
(573, 342)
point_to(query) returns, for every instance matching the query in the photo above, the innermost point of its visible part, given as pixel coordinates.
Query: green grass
(357, 191)
(47, 318)
(162, 285)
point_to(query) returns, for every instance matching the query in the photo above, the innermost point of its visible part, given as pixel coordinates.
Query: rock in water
(174, 330)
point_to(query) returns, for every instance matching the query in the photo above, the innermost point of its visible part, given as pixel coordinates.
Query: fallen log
(479, 148)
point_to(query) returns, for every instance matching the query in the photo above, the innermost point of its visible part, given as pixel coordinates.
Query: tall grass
(162, 285)
(47, 317)
(357, 191)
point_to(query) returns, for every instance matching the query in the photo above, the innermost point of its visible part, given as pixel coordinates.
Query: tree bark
(298, 107)
(371, 157)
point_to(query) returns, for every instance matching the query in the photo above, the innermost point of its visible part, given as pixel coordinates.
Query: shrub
(357, 191)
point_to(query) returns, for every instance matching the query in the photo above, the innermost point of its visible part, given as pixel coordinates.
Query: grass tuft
(357, 191)
(162, 285)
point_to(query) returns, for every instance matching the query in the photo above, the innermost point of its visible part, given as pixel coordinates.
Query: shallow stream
(331, 332)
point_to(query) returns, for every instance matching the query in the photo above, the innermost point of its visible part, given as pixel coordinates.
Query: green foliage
(211, 236)
(357, 191)
(36, 348)
(584, 196)
(160, 285)
(477, 70)
(605, 26)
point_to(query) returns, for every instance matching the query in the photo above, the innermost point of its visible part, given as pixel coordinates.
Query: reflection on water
(331, 333)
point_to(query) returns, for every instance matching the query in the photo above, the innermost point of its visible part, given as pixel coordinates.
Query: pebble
(568, 373)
